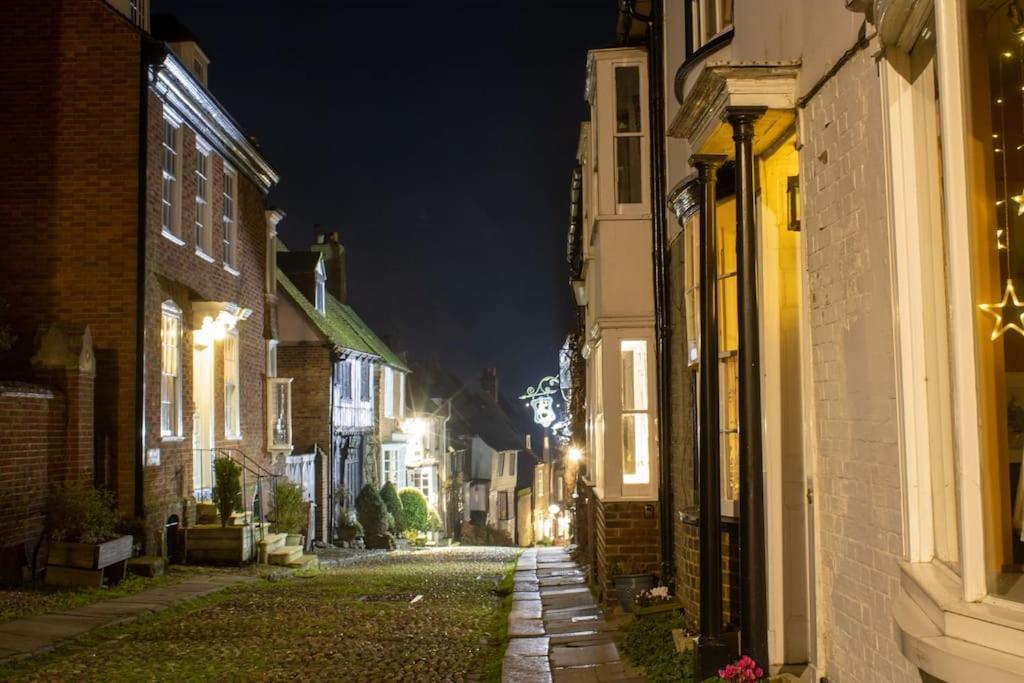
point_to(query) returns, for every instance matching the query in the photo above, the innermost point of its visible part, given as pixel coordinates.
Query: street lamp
(575, 454)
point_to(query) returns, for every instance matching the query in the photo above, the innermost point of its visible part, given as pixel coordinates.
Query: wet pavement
(557, 631)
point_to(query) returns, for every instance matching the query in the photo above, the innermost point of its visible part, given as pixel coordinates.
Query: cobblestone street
(427, 615)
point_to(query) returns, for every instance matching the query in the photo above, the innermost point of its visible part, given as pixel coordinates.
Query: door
(203, 441)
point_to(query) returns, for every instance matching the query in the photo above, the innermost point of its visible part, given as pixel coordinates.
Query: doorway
(203, 441)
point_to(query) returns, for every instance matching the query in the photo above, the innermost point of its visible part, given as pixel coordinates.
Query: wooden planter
(84, 564)
(659, 608)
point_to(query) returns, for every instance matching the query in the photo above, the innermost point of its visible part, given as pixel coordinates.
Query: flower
(653, 596)
(744, 669)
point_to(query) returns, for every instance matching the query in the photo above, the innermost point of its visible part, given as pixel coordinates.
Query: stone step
(240, 518)
(285, 555)
(268, 545)
(307, 561)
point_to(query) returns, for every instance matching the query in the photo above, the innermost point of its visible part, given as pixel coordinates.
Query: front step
(240, 518)
(308, 561)
(212, 543)
(284, 556)
(268, 545)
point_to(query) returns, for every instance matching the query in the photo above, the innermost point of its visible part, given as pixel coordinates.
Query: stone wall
(858, 501)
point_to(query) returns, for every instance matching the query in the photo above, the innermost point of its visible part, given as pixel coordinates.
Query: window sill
(233, 439)
(206, 257)
(172, 438)
(231, 270)
(172, 237)
(953, 639)
(281, 449)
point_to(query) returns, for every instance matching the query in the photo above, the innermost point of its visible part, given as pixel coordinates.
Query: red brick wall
(626, 536)
(310, 367)
(176, 272)
(69, 192)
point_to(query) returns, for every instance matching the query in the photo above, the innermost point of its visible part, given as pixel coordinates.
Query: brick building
(349, 386)
(135, 206)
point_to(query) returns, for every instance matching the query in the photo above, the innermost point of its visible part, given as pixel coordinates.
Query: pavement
(557, 631)
(33, 635)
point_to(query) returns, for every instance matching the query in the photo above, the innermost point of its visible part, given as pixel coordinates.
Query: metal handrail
(249, 466)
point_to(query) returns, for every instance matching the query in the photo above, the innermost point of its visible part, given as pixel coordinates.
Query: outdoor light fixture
(575, 454)
(554, 509)
(215, 329)
(793, 200)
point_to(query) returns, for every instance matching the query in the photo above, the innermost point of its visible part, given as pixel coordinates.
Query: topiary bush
(375, 518)
(290, 513)
(414, 504)
(227, 491)
(389, 494)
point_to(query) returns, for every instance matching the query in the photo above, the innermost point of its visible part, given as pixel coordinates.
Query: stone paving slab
(518, 628)
(528, 647)
(525, 595)
(526, 609)
(583, 655)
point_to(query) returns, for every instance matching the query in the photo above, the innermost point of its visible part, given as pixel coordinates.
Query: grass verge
(491, 665)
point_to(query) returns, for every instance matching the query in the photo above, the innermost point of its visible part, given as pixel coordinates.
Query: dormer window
(320, 295)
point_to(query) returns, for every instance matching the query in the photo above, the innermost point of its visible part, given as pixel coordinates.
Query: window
(364, 381)
(636, 454)
(135, 11)
(512, 464)
(628, 135)
(691, 286)
(401, 394)
(344, 379)
(202, 225)
(389, 393)
(501, 465)
(232, 420)
(420, 478)
(230, 226)
(170, 371)
(170, 213)
(389, 464)
(503, 508)
(271, 358)
(706, 20)
(598, 472)
(279, 407)
(320, 293)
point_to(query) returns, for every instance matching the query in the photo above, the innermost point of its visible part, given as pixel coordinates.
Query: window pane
(634, 375)
(627, 161)
(627, 99)
(635, 449)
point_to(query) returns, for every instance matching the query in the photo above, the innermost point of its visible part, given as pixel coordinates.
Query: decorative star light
(1010, 308)
(1019, 198)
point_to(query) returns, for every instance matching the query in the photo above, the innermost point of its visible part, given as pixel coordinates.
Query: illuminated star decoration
(540, 399)
(1019, 198)
(1010, 308)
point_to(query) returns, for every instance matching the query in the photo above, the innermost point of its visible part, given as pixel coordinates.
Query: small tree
(289, 508)
(227, 491)
(389, 494)
(414, 503)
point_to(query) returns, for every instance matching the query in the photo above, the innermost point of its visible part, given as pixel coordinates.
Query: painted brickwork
(69, 195)
(850, 307)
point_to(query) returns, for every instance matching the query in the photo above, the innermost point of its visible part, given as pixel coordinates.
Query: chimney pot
(319, 238)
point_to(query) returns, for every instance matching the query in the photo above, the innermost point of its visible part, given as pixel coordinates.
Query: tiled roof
(334, 325)
(376, 343)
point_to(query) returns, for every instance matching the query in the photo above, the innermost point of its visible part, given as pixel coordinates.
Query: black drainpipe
(149, 52)
(656, 106)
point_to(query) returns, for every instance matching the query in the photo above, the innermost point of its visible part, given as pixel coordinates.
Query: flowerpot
(628, 585)
(294, 539)
(658, 608)
(91, 555)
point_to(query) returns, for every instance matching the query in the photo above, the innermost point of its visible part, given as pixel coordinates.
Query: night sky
(438, 139)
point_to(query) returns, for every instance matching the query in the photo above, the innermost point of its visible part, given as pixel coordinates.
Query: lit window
(691, 287)
(628, 135)
(364, 381)
(170, 371)
(232, 420)
(636, 450)
(230, 226)
(202, 224)
(170, 189)
(708, 19)
(390, 466)
(389, 393)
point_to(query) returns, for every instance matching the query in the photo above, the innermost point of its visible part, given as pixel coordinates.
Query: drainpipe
(659, 233)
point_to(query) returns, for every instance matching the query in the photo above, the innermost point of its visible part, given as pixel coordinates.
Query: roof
(296, 261)
(333, 325)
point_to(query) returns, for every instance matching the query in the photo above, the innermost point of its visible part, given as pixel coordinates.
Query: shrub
(227, 491)
(78, 513)
(648, 643)
(375, 518)
(290, 514)
(414, 503)
(480, 534)
(349, 528)
(434, 521)
(389, 494)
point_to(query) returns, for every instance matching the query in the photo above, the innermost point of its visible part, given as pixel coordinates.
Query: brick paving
(558, 632)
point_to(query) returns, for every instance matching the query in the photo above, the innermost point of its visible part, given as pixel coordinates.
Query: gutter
(656, 106)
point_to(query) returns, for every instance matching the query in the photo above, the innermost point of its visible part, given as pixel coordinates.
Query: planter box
(659, 608)
(628, 585)
(91, 555)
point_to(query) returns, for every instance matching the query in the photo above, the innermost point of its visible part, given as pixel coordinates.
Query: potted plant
(82, 528)
(349, 528)
(654, 601)
(628, 583)
(227, 488)
(375, 518)
(290, 512)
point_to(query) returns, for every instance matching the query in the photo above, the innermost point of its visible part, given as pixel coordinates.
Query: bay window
(707, 20)
(628, 135)
(636, 446)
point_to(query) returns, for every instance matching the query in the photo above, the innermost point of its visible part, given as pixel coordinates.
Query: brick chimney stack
(489, 383)
(335, 263)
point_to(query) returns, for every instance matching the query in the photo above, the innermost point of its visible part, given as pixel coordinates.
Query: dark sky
(437, 138)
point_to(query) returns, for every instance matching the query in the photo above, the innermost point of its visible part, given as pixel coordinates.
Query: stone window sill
(171, 438)
(206, 257)
(953, 639)
(172, 237)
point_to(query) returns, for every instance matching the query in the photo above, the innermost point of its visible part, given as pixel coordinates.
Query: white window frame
(704, 28)
(641, 135)
(229, 221)
(203, 224)
(389, 392)
(644, 441)
(171, 397)
(231, 366)
(401, 394)
(170, 189)
(274, 384)
(272, 358)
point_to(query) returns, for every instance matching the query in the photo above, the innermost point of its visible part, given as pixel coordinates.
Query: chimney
(333, 252)
(489, 383)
